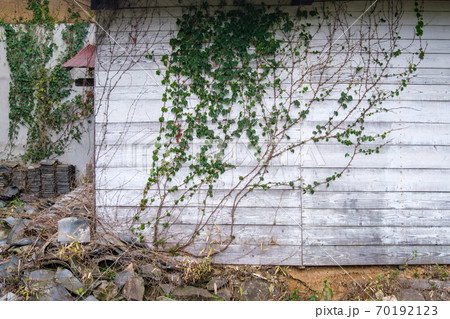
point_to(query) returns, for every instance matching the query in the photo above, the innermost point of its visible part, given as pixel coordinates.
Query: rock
(106, 291)
(53, 293)
(65, 278)
(415, 284)
(440, 285)
(166, 288)
(28, 210)
(410, 295)
(21, 249)
(122, 277)
(134, 289)
(216, 283)
(190, 292)
(255, 290)
(224, 294)
(9, 268)
(151, 271)
(42, 277)
(18, 230)
(2, 204)
(73, 229)
(3, 242)
(175, 279)
(90, 298)
(379, 295)
(26, 242)
(113, 240)
(164, 298)
(9, 297)
(11, 221)
(4, 231)
(389, 298)
(9, 193)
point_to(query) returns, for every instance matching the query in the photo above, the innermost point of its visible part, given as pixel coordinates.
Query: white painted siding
(385, 207)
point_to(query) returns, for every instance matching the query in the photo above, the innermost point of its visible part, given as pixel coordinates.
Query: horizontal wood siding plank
(356, 179)
(139, 50)
(147, 110)
(382, 180)
(126, 61)
(411, 93)
(433, 5)
(242, 234)
(377, 200)
(312, 155)
(253, 254)
(374, 217)
(375, 255)
(268, 216)
(256, 199)
(285, 216)
(376, 236)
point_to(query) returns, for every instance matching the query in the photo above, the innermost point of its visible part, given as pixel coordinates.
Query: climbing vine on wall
(40, 96)
(254, 76)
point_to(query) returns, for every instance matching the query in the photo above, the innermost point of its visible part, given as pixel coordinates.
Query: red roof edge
(84, 59)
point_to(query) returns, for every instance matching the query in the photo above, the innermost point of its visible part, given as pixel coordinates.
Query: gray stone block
(65, 278)
(410, 295)
(73, 229)
(9, 297)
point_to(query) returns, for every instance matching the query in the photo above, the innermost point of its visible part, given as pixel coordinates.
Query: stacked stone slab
(5, 176)
(65, 178)
(48, 178)
(34, 179)
(19, 177)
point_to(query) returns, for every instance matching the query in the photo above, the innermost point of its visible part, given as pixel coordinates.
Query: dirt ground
(360, 282)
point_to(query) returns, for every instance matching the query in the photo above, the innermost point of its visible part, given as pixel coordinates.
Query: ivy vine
(39, 96)
(255, 74)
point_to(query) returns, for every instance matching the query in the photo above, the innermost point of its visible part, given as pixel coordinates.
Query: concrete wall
(79, 154)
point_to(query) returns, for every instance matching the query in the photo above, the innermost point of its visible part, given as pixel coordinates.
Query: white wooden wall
(386, 206)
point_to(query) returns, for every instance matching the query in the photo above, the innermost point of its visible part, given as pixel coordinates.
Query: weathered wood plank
(125, 60)
(253, 254)
(402, 133)
(377, 200)
(136, 178)
(139, 77)
(311, 155)
(382, 180)
(411, 93)
(374, 217)
(288, 216)
(355, 179)
(243, 235)
(438, 6)
(375, 236)
(375, 255)
(257, 199)
(106, 51)
(165, 18)
(270, 216)
(141, 110)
